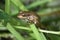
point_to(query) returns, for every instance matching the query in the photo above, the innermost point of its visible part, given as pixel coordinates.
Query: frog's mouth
(21, 17)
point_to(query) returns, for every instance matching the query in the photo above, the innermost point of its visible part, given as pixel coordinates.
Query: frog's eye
(23, 15)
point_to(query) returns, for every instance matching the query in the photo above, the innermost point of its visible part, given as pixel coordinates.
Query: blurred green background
(11, 28)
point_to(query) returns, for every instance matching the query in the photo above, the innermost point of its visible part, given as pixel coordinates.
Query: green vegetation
(18, 29)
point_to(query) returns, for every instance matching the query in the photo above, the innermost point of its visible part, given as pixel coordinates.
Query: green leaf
(14, 32)
(19, 4)
(39, 36)
(7, 6)
(35, 4)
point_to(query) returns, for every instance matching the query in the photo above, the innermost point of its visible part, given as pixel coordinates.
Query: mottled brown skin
(30, 17)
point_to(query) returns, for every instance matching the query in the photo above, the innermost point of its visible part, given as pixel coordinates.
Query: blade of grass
(39, 36)
(19, 4)
(34, 4)
(14, 32)
(7, 6)
(23, 28)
